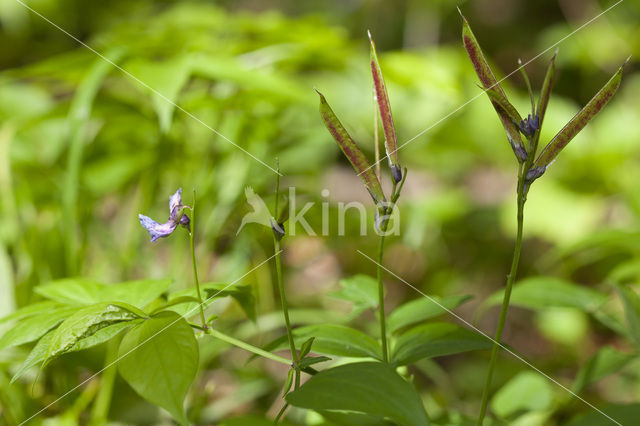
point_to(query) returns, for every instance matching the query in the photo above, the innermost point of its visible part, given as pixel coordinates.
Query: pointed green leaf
(30, 310)
(422, 309)
(365, 387)
(631, 303)
(351, 151)
(527, 83)
(35, 326)
(243, 294)
(545, 92)
(384, 106)
(86, 322)
(331, 339)
(39, 352)
(306, 347)
(575, 125)
(436, 339)
(606, 361)
(361, 290)
(528, 391)
(159, 359)
(489, 81)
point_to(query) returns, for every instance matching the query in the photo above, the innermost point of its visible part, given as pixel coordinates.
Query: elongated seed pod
(575, 125)
(348, 146)
(390, 143)
(488, 80)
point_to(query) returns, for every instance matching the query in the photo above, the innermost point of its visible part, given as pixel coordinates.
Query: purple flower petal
(175, 200)
(184, 221)
(157, 230)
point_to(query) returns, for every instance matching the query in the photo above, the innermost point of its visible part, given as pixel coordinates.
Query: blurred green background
(85, 147)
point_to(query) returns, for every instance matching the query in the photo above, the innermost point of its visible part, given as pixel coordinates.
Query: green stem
(522, 193)
(193, 259)
(383, 321)
(246, 346)
(100, 410)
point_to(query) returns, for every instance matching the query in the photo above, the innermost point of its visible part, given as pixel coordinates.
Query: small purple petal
(157, 230)
(184, 221)
(175, 200)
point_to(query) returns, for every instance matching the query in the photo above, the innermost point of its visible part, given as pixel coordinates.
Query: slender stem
(193, 259)
(383, 321)
(507, 293)
(246, 346)
(100, 409)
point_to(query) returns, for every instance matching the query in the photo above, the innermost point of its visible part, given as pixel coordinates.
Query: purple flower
(176, 217)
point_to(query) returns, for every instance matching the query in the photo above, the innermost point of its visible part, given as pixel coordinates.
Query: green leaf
(436, 339)
(366, 387)
(86, 292)
(159, 360)
(384, 106)
(361, 290)
(311, 360)
(306, 347)
(39, 352)
(489, 81)
(420, 310)
(331, 339)
(544, 292)
(631, 303)
(624, 414)
(30, 310)
(211, 291)
(545, 92)
(351, 151)
(527, 391)
(606, 361)
(575, 125)
(86, 322)
(34, 327)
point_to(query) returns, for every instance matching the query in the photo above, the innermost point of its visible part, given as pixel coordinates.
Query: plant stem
(283, 297)
(193, 259)
(248, 347)
(522, 194)
(100, 410)
(383, 321)
(383, 229)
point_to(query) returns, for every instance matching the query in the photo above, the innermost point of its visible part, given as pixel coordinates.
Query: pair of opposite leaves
(511, 120)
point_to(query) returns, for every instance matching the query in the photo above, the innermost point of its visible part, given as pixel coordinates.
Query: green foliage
(436, 339)
(367, 387)
(527, 391)
(159, 360)
(423, 309)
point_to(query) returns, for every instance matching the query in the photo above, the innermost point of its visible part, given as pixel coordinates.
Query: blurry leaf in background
(331, 339)
(563, 325)
(626, 414)
(368, 387)
(527, 391)
(159, 359)
(422, 309)
(631, 302)
(86, 292)
(7, 301)
(547, 292)
(606, 361)
(361, 290)
(436, 339)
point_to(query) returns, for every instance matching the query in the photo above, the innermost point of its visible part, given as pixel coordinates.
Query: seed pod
(489, 81)
(351, 151)
(575, 125)
(391, 143)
